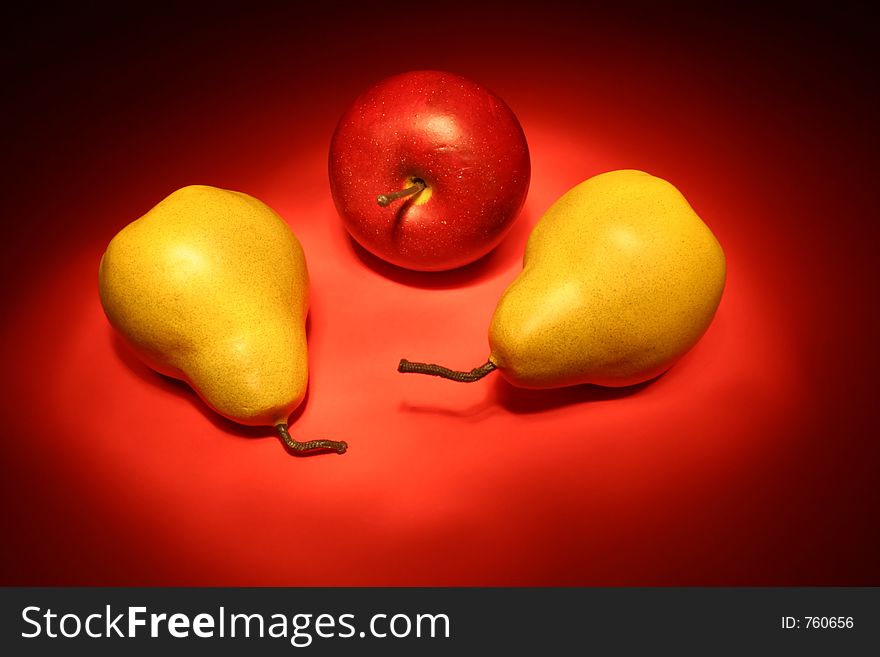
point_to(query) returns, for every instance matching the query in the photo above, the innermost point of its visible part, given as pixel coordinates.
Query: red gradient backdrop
(753, 461)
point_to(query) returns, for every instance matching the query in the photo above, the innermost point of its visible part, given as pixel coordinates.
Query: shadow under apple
(508, 253)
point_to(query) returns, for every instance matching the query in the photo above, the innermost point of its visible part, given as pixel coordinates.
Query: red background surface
(753, 461)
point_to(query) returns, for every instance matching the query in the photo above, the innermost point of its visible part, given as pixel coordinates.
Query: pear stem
(475, 374)
(385, 199)
(298, 447)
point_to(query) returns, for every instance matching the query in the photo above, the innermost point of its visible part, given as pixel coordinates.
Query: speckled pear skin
(211, 287)
(620, 278)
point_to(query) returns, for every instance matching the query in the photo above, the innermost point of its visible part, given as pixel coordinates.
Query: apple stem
(475, 374)
(298, 447)
(385, 199)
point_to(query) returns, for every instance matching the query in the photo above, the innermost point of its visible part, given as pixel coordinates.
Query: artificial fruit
(620, 278)
(428, 170)
(211, 287)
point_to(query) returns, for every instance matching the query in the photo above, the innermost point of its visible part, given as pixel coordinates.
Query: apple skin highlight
(459, 139)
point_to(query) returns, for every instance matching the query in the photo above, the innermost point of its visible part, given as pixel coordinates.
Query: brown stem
(298, 447)
(385, 199)
(475, 374)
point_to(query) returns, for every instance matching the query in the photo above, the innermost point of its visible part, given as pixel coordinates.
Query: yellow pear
(211, 287)
(620, 278)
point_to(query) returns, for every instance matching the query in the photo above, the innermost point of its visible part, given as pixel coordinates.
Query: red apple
(428, 170)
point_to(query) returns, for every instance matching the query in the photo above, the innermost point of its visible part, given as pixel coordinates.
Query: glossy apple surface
(458, 139)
